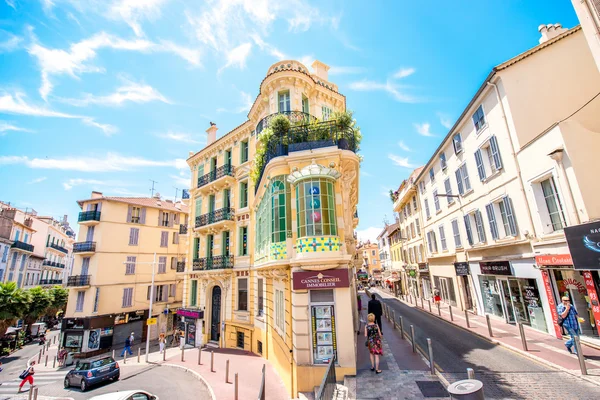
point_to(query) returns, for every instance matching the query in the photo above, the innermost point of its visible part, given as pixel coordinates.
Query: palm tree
(13, 305)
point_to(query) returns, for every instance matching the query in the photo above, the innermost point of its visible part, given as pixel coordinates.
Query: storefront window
(446, 289)
(490, 293)
(570, 283)
(315, 204)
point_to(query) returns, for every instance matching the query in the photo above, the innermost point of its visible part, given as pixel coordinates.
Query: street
(504, 373)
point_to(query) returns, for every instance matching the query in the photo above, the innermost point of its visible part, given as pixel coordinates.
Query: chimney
(550, 31)
(320, 70)
(212, 134)
(96, 195)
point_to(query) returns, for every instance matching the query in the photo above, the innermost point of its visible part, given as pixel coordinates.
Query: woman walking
(161, 342)
(27, 376)
(373, 335)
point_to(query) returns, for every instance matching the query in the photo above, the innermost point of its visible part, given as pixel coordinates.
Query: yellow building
(109, 292)
(369, 254)
(274, 209)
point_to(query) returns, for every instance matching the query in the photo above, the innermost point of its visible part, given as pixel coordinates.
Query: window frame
(443, 161)
(477, 122)
(242, 291)
(244, 151)
(127, 297)
(305, 215)
(284, 101)
(457, 149)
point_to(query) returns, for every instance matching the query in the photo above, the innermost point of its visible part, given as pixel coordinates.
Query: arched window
(315, 204)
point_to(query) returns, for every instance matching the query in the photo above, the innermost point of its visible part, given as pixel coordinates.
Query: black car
(92, 371)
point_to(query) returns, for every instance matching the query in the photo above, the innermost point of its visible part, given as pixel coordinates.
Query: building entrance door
(467, 291)
(507, 302)
(215, 321)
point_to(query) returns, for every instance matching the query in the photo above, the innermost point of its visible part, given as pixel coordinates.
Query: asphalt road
(505, 374)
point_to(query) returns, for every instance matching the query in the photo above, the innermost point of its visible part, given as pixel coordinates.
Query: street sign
(151, 321)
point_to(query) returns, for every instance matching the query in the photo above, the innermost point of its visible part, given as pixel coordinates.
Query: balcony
(59, 248)
(60, 265)
(180, 266)
(222, 216)
(183, 229)
(211, 263)
(226, 170)
(22, 246)
(295, 117)
(54, 264)
(78, 280)
(46, 282)
(84, 247)
(89, 217)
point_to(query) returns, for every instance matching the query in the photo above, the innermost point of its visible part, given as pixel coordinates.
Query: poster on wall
(74, 340)
(323, 333)
(94, 340)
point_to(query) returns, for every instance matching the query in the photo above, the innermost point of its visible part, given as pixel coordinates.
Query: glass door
(507, 303)
(518, 305)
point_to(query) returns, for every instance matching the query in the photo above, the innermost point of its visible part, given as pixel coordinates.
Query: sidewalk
(405, 374)
(541, 347)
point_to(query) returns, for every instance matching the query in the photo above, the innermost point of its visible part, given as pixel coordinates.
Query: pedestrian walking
(127, 347)
(27, 376)
(161, 342)
(176, 335)
(374, 307)
(62, 356)
(568, 319)
(131, 338)
(436, 296)
(373, 335)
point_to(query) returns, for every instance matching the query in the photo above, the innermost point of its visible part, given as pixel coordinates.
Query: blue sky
(108, 94)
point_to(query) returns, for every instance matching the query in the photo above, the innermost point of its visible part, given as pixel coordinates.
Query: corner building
(271, 259)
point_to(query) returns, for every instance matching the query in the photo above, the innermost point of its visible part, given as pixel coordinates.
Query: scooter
(42, 340)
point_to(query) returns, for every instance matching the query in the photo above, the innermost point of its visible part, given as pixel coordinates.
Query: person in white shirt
(131, 338)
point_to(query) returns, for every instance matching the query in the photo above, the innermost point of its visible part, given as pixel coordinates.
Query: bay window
(315, 205)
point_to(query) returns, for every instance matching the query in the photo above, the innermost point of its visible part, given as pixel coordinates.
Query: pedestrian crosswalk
(39, 379)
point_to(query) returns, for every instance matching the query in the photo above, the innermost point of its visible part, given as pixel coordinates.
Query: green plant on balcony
(345, 121)
(261, 153)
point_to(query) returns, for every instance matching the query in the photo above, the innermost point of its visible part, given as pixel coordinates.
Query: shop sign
(495, 268)
(423, 268)
(94, 340)
(584, 245)
(135, 316)
(121, 319)
(151, 321)
(574, 284)
(412, 273)
(74, 323)
(462, 268)
(592, 294)
(554, 259)
(362, 275)
(329, 279)
(196, 314)
(531, 296)
(551, 303)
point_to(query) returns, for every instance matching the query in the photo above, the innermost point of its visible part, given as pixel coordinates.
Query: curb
(196, 374)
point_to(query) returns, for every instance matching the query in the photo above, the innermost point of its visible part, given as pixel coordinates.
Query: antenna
(152, 190)
(176, 191)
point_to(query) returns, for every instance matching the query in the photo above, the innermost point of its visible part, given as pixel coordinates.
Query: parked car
(126, 395)
(92, 371)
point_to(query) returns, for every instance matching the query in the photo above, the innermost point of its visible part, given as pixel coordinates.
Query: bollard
(412, 338)
(422, 303)
(54, 363)
(431, 365)
(39, 357)
(212, 361)
(113, 354)
(30, 396)
(54, 340)
(393, 315)
(489, 324)
(450, 309)
(35, 393)
(46, 362)
(227, 371)
(401, 328)
(523, 339)
(429, 305)
(165, 354)
(199, 356)
(139, 353)
(439, 310)
(48, 347)
(43, 349)
(580, 356)
(235, 387)
(467, 318)
(182, 355)
(470, 373)
(124, 357)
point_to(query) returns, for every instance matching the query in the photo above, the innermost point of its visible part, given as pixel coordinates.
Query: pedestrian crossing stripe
(39, 379)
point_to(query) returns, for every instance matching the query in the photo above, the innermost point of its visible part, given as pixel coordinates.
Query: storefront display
(446, 288)
(571, 283)
(73, 341)
(323, 333)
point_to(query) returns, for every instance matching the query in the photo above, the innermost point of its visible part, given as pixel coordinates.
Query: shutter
(429, 245)
(176, 218)
(143, 216)
(160, 218)
(85, 266)
(427, 208)
(480, 229)
(90, 234)
(131, 238)
(465, 175)
(173, 262)
(99, 207)
(468, 229)
(149, 291)
(492, 218)
(89, 207)
(124, 300)
(512, 222)
(459, 182)
(175, 237)
(171, 220)
(165, 293)
(136, 235)
(479, 162)
(129, 209)
(495, 152)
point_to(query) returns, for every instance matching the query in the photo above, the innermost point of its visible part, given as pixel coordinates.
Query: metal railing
(222, 214)
(328, 384)
(214, 262)
(180, 266)
(79, 280)
(183, 229)
(60, 265)
(50, 281)
(22, 246)
(295, 117)
(83, 247)
(59, 248)
(223, 170)
(89, 216)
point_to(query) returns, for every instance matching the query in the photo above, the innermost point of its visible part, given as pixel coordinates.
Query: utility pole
(152, 190)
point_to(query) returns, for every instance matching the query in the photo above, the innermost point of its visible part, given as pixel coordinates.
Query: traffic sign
(151, 321)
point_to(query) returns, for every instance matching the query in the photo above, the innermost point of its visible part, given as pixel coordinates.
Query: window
(432, 242)
(164, 238)
(243, 241)
(161, 293)
(198, 204)
(130, 265)
(244, 194)
(165, 219)
(489, 209)
(80, 300)
(175, 237)
(127, 297)
(172, 289)
(135, 215)
(509, 221)
(242, 294)
(418, 224)
(467, 219)
(279, 311)
(456, 234)
(315, 204)
(326, 113)
(194, 293)
(457, 143)
(225, 243)
(443, 161)
(554, 207)
(462, 179)
(448, 188)
(96, 299)
(372, 252)
(488, 159)
(436, 200)
(260, 298)
(305, 107)
(374, 262)
(134, 236)
(243, 151)
(432, 175)
(479, 225)
(479, 119)
(443, 237)
(427, 209)
(284, 101)
(414, 200)
(408, 208)
(422, 187)
(162, 265)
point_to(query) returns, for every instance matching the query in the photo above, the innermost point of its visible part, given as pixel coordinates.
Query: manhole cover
(432, 389)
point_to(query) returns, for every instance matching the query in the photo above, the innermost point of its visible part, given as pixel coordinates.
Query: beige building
(588, 12)
(369, 253)
(16, 235)
(123, 242)
(271, 240)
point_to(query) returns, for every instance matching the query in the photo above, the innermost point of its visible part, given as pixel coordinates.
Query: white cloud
(132, 11)
(247, 102)
(11, 3)
(268, 48)
(108, 163)
(369, 233)
(47, 5)
(389, 87)
(182, 182)
(5, 127)
(8, 41)
(131, 91)
(108, 130)
(424, 129)
(179, 137)
(403, 73)
(37, 180)
(68, 185)
(345, 70)
(403, 146)
(445, 120)
(237, 56)
(401, 161)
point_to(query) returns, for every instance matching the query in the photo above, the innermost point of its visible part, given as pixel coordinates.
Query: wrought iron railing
(214, 262)
(180, 266)
(223, 170)
(295, 117)
(84, 247)
(328, 384)
(51, 281)
(60, 265)
(89, 216)
(222, 214)
(22, 246)
(78, 280)
(183, 229)
(59, 248)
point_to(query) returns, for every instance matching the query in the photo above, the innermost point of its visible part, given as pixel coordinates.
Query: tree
(13, 305)
(59, 296)
(40, 301)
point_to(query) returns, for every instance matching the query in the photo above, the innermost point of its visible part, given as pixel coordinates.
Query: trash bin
(69, 359)
(468, 389)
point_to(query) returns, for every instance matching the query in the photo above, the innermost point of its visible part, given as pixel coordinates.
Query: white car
(126, 395)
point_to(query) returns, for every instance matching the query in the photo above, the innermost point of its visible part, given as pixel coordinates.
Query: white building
(588, 12)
